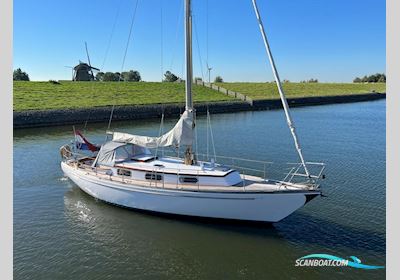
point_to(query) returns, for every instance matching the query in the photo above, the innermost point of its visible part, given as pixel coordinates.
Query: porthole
(153, 176)
(124, 172)
(190, 180)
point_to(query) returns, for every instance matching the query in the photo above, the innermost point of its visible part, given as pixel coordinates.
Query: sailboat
(127, 172)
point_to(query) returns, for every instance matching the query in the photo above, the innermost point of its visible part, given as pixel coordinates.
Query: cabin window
(190, 180)
(124, 172)
(153, 176)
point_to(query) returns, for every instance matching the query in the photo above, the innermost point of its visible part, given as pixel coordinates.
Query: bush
(170, 77)
(218, 79)
(131, 76)
(19, 75)
(111, 77)
(310, 81)
(382, 79)
(99, 76)
(377, 78)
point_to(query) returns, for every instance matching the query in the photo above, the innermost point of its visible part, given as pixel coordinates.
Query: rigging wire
(207, 37)
(207, 145)
(198, 47)
(176, 36)
(123, 60)
(162, 40)
(212, 135)
(129, 38)
(105, 56)
(86, 122)
(111, 35)
(195, 133)
(160, 132)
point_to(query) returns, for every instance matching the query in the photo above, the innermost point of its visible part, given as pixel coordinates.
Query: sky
(328, 40)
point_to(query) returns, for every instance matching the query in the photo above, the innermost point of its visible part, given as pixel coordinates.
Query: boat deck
(248, 183)
(174, 165)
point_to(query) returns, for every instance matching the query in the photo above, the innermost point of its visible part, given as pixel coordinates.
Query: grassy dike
(39, 104)
(74, 95)
(260, 91)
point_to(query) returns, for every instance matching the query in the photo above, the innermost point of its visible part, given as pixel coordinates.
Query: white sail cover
(180, 135)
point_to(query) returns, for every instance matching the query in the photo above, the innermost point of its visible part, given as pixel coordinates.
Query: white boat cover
(106, 155)
(180, 135)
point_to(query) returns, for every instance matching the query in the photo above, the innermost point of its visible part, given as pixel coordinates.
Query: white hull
(249, 206)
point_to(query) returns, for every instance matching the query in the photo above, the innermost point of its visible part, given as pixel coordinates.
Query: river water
(62, 233)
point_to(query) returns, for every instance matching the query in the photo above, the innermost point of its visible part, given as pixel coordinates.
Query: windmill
(209, 73)
(84, 71)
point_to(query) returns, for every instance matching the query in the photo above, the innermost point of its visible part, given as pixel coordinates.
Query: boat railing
(251, 167)
(246, 167)
(297, 173)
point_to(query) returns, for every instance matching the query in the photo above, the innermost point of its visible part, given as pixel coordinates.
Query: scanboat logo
(330, 260)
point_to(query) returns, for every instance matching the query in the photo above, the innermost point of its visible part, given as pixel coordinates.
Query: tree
(372, 79)
(118, 77)
(376, 78)
(382, 79)
(110, 77)
(19, 75)
(170, 77)
(364, 79)
(218, 79)
(131, 76)
(310, 81)
(99, 76)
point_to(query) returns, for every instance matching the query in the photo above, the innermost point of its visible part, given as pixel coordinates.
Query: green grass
(44, 95)
(269, 90)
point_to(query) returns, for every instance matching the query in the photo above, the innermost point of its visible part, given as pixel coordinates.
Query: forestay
(181, 135)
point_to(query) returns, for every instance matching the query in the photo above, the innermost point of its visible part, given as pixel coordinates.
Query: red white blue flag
(82, 143)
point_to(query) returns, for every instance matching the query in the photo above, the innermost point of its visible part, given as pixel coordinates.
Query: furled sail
(181, 135)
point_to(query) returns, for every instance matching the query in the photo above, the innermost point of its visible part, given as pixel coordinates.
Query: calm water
(61, 233)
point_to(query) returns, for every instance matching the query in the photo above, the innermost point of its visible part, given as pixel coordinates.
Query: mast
(189, 157)
(280, 89)
(188, 55)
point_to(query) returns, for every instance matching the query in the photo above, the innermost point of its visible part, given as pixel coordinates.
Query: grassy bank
(45, 95)
(69, 95)
(269, 91)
